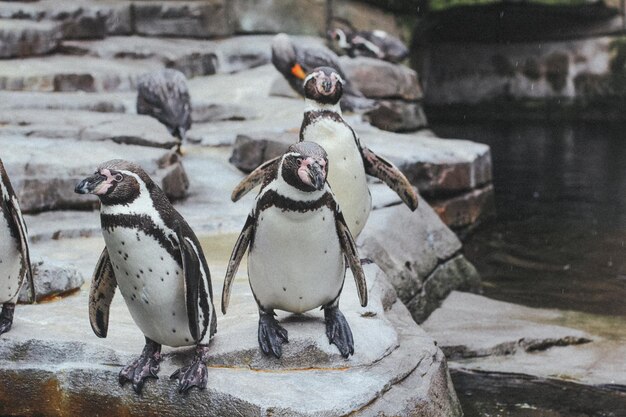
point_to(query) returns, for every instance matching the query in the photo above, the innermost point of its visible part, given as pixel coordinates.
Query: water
(558, 239)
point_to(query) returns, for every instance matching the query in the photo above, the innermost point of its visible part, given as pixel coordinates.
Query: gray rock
(419, 254)
(466, 209)
(473, 326)
(397, 116)
(79, 19)
(72, 73)
(396, 366)
(129, 129)
(44, 171)
(381, 79)
(22, 100)
(436, 166)
(203, 112)
(51, 278)
(192, 19)
(23, 38)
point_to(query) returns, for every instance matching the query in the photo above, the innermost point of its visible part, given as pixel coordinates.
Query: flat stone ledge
(77, 372)
(23, 38)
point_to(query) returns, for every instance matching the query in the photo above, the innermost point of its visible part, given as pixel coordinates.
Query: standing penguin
(296, 200)
(349, 159)
(164, 95)
(156, 260)
(14, 253)
(294, 62)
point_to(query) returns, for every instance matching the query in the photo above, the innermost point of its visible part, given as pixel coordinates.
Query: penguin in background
(157, 262)
(350, 160)
(295, 61)
(14, 253)
(298, 244)
(164, 95)
(370, 43)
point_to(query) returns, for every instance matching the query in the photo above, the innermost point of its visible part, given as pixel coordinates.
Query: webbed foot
(271, 335)
(6, 317)
(338, 331)
(194, 375)
(144, 367)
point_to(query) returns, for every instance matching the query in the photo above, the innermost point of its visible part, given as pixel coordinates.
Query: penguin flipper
(254, 178)
(387, 172)
(101, 294)
(349, 250)
(20, 226)
(245, 237)
(197, 283)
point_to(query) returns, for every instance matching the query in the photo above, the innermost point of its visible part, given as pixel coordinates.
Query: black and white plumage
(350, 161)
(298, 244)
(14, 253)
(164, 95)
(295, 61)
(155, 259)
(371, 43)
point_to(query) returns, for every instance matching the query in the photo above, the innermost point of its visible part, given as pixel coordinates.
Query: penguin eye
(118, 177)
(299, 161)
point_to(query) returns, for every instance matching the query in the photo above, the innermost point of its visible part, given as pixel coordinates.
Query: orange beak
(298, 71)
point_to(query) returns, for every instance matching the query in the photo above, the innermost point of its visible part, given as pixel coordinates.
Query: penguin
(370, 43)
(163, 94)
(155, 259)
(14, 253)
(350, 161)
(294, 62)
(298, 245)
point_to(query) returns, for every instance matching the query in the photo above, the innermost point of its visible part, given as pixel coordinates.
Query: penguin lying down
(155, 259)
(298, 244)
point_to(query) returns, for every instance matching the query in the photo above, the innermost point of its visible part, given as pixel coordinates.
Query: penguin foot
(6, 318)
(338, 331)
(144, 367)
(194, 375)
(271, 335)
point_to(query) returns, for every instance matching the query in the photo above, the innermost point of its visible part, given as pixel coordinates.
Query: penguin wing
(101, 294)
(197, 285)
(245, 237)
(349, 250)
(254, 178)
(384, 170)
(20, 226)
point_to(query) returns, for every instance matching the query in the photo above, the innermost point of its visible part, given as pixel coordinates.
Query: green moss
(445, 4)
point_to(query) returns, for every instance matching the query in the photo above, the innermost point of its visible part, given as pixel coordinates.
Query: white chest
(152, 284)
(296, 263)
(10, 264)
(346, 173)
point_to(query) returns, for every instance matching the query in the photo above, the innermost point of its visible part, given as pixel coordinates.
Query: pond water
(558, 238)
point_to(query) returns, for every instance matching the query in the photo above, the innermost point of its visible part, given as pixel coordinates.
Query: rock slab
(23, 38)
(396, 369)
(51, 278)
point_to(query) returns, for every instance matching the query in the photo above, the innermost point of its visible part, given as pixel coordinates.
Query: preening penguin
(349, 160)
(294, 62)
(308, 272)
(164, 95)
(371, 43)
(14, 253)
(155, 259)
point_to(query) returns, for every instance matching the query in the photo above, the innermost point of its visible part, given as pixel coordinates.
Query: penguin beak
(297, 70)
(327, 85)
(90, 184)
(317, 175)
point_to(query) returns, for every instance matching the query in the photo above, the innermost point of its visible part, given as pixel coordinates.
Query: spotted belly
(296, 263)
(346, 173)
(152, 284)
(11, 271)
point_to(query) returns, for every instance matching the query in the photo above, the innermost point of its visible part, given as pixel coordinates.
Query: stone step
(193, 57)
(198, 19)
(73, 73)
(396, 366)
(22, 38)
(45, 171)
